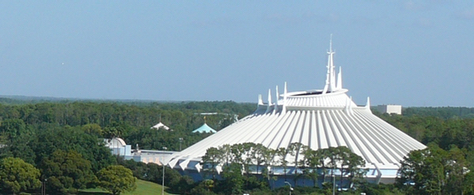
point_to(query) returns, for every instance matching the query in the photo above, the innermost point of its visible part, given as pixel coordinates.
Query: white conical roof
(316, 118)
(204, 129)
(159, 126)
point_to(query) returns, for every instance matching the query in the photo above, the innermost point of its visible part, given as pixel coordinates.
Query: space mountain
(316, 118)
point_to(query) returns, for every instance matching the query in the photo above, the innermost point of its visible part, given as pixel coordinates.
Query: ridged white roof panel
(365, 134)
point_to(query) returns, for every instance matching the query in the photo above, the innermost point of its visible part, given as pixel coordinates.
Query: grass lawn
(143, 187)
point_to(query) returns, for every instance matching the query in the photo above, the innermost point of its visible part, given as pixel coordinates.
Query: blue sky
(414, 53)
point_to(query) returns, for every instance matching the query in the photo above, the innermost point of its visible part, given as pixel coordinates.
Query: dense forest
(440, 112)
(130, 120)
(42, 132)
(62, 140)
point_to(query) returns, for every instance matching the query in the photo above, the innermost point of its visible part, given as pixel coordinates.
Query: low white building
(390, 109)
(118, 147)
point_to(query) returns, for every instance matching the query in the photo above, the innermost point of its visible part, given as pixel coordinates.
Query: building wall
(390, 109)
(122, 151)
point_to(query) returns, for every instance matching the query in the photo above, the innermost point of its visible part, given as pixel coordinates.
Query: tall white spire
(331, 74)
(367, 105)
(285, 91)
(275, 109)
(269, 100)
(339, 79)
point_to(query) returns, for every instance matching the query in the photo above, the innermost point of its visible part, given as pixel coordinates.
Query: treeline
(441, 132)
(439, 112)
(131, 121)
(256, 159)
(179, 116)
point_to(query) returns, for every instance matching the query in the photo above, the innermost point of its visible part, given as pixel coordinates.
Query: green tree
(282, 159)
(93, 129)
(233, 179)
(434, 171)
(51, 137)
(297, 151)
(269, 162)
(16, 136)
(66, 171)
(352, 165)
(314, 160)
(117, 179)
(211, 159)
(18, 176)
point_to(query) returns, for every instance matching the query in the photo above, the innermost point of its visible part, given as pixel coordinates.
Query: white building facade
(390, 109)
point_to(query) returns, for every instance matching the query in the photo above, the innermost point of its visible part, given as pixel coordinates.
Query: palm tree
(282, 154)
(212, 157)
(259, 155)
(269, 161)
(296, 149)
(312, 160)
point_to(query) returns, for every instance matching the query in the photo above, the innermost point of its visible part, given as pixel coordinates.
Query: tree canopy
(116, 179)
(18, 176)
(66, 170)
(435, 171)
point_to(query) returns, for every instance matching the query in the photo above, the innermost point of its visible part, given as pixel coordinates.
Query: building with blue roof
(204, 129)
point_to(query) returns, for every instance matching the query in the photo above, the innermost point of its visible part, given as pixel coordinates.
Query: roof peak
(331, 84)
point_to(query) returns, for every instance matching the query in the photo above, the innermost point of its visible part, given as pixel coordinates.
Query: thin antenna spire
(331, 75)
(330, 43)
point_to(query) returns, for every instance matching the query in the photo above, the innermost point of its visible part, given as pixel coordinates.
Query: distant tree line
(130, 121)
(440, 112)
